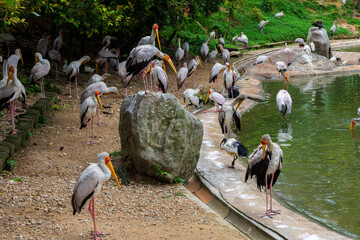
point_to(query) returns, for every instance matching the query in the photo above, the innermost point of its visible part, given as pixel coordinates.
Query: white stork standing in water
(194, 63)
(151, 39)
(88, 110)
(204, 50)
(191, 96)
(9, 93)
(262, 60)
(89, 185)
(179, 54)
(39, 71)
(234, 148)
(284, 102)
(215, 71)
(139, 59)
(265, 163)
(216, 97)
(73, 69)
(225, 54)
(281, 68)
(227, 113)
(182, 75)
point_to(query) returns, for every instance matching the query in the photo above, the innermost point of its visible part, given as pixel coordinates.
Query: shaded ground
(39, 206)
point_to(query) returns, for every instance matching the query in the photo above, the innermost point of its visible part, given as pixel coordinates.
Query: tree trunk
(168, 42)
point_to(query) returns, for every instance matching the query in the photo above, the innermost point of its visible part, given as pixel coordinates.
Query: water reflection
(321, 157)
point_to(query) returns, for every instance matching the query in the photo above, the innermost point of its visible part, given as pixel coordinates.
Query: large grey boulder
(156, 131)
(310, 62)
(321, 41)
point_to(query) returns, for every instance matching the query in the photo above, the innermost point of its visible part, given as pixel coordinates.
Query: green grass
(10, 163)
(115, 153)
(297, 19)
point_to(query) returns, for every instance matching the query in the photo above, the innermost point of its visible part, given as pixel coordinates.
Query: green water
(321, 166)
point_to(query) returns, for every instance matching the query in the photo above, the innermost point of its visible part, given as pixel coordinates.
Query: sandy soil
(38, 206)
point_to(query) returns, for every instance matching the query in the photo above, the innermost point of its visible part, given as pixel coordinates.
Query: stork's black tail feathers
(283, 109)
(241, 149)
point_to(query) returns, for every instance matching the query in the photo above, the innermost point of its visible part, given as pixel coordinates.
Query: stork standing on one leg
(89, 185)
(265, 163)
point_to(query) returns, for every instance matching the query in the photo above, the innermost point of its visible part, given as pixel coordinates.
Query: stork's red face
(97, 96)
(11, 72)
(167, 58)
(156, 27)
(352, 124)
(36, 58)
(22, 61)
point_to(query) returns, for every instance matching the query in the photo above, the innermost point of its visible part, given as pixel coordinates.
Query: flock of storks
(266, 160)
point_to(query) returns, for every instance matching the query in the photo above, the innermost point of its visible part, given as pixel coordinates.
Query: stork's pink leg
(271, 211)
(267, 214)
(97, 114)
(92, 213)
(126, 92)
(77, 94)
(14, 131)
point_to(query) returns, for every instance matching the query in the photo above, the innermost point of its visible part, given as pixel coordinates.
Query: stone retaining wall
(27, 122)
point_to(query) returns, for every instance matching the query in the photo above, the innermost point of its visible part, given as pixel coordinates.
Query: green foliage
(178, 180)
(42, 119)
(31, 133)
(160, 172)
(256, 14)
(58, 107)
(11, 163)
(115, 153)
(179, 194)
(24, 143)
(267, 6)
(16, 179)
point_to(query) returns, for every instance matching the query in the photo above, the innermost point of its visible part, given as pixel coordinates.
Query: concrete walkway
(213, 166)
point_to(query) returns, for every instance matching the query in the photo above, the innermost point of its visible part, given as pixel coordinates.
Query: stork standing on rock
(139, 59)
(39, 71)
(262, 60)
(265, 163)
(217, 98)
(234, 148)
(228, 112)
(72, 71)
(89, 185)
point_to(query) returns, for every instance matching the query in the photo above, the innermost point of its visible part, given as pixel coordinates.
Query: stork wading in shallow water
(228, 113)
(265, 163)
(39, 71)
(284, 102)
(281, 68)
(234, 148)
(72, 71)
(151, 39)
(191, 97)
(89, 185)
(10, 92)
(216, 97)
(139, 59)
(88, 110)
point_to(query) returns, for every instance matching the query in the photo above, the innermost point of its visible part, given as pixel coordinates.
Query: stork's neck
(152, 36)
(270, 145)
(160, 54)
(179, 42)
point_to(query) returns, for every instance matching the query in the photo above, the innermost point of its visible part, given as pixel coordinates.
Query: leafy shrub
(256, 14)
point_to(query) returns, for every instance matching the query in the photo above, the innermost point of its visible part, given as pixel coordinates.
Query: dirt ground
(39, 206)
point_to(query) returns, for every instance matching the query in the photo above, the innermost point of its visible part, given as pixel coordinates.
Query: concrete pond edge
(27, 122)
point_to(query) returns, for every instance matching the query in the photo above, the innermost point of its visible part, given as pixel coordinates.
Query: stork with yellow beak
(89, 185)
(14, 58)
(88, 110)
(73, 69)
(355, 120)
(216, 97)
(228, 113)
(265, 163)
(151, 39)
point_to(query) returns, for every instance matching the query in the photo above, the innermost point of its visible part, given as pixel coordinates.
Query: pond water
(321, 165)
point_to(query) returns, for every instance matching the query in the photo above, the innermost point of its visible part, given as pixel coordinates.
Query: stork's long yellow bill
(172, 65)
(111, 168)
(263, 144)
(99, 101)
(199, 61)
(8, 80)
(157, 35)
(238, 105)
(352, 125)
(207, 96)
(22, 61)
